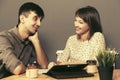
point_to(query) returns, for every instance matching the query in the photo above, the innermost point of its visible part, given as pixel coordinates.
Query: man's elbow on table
(19, 69)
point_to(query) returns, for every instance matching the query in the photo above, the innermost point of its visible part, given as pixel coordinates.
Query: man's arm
(12, 63)
(41, 56)
(19, 69)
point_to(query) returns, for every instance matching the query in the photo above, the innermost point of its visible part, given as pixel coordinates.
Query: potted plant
(106, 60)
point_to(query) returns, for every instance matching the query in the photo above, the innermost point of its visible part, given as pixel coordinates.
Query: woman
(88, 40)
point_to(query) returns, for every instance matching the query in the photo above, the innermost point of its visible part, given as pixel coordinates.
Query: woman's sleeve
(98, 43)
(65, 55)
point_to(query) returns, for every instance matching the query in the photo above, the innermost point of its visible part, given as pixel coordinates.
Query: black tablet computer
(68, 71)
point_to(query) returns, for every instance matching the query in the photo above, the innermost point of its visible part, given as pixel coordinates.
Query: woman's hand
(51, 64)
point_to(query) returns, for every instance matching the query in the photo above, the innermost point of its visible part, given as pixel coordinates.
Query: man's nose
(38, 22)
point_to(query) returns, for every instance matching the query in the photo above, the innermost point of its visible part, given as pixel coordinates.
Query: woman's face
(81, 27)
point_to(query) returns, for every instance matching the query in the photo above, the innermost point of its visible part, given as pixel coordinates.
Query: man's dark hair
(30, 6)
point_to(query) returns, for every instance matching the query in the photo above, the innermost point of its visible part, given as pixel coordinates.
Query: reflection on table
(45, 77)
(116, 74)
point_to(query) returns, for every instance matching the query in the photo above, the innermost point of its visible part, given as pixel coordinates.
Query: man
(20, 45)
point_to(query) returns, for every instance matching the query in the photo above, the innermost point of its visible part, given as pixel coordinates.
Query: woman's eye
(75, 20)
(81, 22)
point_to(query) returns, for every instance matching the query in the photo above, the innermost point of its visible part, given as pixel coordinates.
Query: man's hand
(41, 56)
(19, 69)
(34, 37)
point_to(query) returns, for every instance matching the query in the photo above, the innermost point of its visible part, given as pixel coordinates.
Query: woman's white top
(80, 51)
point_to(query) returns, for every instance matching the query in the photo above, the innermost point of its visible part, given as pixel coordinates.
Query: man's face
(32, 22)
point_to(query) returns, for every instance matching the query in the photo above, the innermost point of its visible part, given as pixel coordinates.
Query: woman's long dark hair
(91, 16)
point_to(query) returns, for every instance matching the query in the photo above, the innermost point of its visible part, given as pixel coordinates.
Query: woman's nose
(76, 23)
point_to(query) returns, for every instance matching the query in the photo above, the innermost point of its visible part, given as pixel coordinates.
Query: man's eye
(35, 18)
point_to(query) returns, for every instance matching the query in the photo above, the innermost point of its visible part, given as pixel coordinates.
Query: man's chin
(32, 33)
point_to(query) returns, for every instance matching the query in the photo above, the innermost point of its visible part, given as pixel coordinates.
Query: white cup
(32, 73)
(91, 68)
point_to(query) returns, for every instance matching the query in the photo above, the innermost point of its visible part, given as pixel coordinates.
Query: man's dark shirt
(13, 51)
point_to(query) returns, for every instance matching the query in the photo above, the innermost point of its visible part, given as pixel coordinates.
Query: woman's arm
(97, 43)
(65, 55)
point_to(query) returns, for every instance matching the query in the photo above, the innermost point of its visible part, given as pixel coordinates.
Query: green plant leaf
(106, 58)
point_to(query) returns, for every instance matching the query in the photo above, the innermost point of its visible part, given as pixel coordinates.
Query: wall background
(58, 24)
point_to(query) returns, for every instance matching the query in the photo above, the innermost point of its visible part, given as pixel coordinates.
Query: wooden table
(116, 74)
(45, 77)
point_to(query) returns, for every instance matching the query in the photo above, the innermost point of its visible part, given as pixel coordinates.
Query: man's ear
(22, 17)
